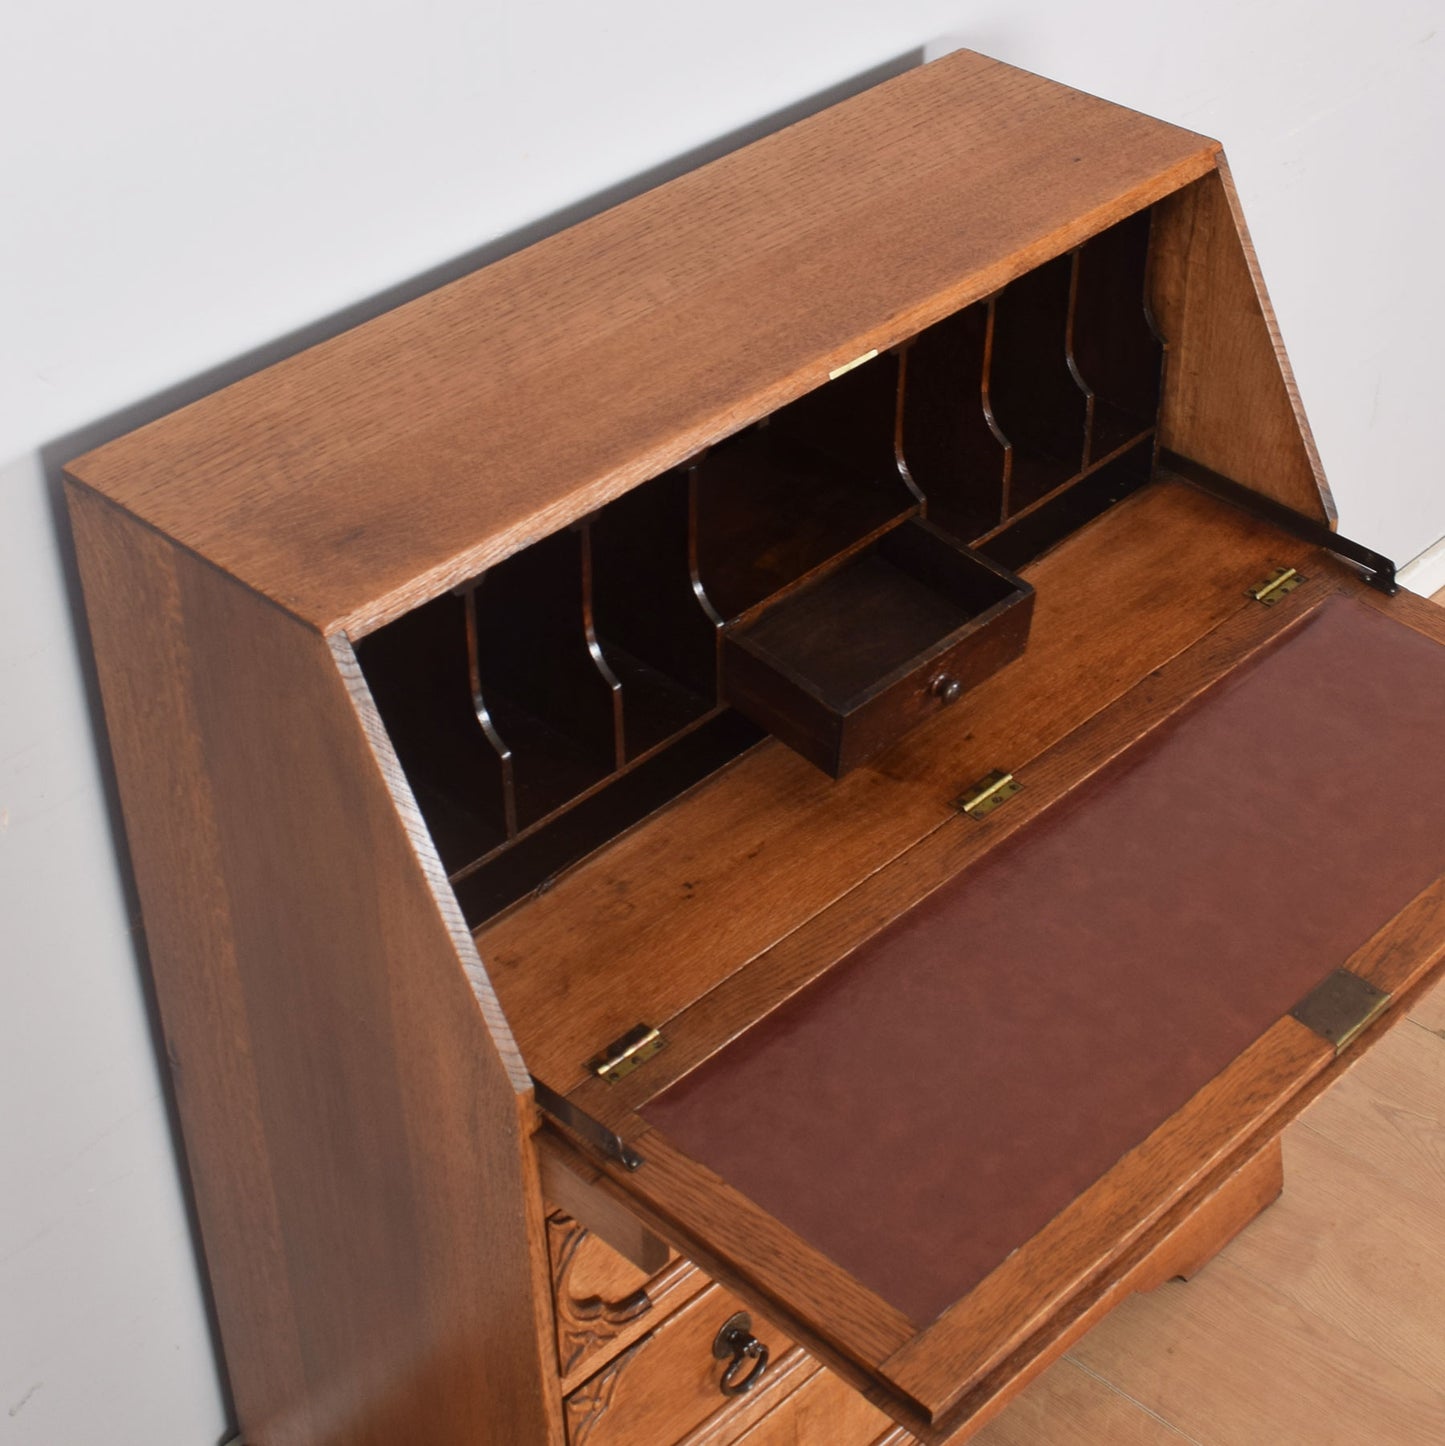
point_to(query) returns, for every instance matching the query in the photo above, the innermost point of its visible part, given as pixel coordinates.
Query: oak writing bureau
(750, 816)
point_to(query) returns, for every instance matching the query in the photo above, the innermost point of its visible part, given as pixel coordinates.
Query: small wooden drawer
(669, 1385)
(603, 1302)
(824, 1409)
(849, 662)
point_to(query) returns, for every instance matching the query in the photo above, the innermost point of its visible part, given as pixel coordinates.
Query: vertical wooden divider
(1114, 343)
(646, 618)
(951, 447)
(1071, 356)
(494, 740)
(1035, 392)
(594, 649)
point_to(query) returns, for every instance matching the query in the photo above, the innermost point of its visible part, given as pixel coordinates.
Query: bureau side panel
(355, 1131)
(1230, 399)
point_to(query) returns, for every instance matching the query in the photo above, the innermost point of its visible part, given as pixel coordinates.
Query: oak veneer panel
(374, 1254)
(413, 451)
(661, 905)
(1230, 399)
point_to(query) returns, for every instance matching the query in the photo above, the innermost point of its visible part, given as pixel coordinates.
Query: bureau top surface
(366, 474)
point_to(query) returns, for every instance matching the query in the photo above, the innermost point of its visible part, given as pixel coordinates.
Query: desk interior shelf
(566, 671)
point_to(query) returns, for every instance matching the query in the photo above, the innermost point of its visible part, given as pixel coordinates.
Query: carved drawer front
(824, 1411)
(603, 1301)
(703, 1376)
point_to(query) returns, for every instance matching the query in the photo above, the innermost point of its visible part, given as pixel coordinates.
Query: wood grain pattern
(1240, 1081)
(415, 450)
(794, 1369)
(569, 1183)
(356, 1103)
(823, 1409)
(660, 904)
(1069, 1406)
(602, 1302)
(1230, 399)
(1407, 947)
(1429, 1012)
(1318, 1324)
(1197, 1233)
(1245, 1364)
(329, 1050)
(1027, 1293)
(809, 951)
(1390, 1111)
(668, 1384)
(1386, 1297)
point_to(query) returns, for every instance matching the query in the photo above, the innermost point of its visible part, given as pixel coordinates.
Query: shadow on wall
(57, 453)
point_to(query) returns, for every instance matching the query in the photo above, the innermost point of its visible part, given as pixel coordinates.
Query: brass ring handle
(749, 1356)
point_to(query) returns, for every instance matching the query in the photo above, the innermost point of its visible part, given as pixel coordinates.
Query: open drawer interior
(841, 668)
(925, 1121)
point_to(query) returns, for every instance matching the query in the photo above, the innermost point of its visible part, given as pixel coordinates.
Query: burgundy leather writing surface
(935, 1099)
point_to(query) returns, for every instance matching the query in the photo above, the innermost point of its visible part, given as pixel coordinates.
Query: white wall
(182, 185)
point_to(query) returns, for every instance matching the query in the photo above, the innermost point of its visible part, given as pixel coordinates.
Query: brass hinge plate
(1280, 582)
(630, 1052)
(848, 366)
(991, 791)
(1341, 1007)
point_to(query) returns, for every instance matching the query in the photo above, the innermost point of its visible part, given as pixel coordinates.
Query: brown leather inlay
(936, 1098)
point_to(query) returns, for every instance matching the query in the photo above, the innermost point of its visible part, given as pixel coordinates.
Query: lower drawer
(680, 1382)
(823, 1411)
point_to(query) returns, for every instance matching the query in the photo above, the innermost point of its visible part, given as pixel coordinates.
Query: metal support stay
(1378, 569)
(585, 1127)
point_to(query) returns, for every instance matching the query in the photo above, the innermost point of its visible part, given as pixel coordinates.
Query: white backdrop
(184, 186)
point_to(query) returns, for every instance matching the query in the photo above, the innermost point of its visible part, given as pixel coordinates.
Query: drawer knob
(746, 1355)
(946, 688)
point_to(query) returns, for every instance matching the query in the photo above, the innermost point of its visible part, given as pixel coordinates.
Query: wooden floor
(1324, 1322)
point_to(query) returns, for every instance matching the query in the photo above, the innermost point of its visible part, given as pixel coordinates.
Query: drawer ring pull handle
(749, 1356)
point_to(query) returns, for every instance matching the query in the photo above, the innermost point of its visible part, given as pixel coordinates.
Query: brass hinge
(990, 792)
(1270, 590)
(1340, 1007)
(848, 366)
(624, 1055)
